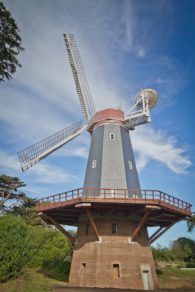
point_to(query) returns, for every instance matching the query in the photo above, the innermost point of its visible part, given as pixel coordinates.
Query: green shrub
(23, 245)
(159, 271)
(190, 265)
(56, 268)
(47, 245)
(14, 247)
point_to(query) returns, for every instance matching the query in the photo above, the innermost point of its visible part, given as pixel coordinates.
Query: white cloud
(155, 145)
(43, 173)
(79, 151)
(141, 52)
(9, 161)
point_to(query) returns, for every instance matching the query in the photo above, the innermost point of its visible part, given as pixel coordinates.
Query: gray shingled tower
(111, 162)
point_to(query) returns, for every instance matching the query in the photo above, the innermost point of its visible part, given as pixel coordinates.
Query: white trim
(94, 163)
(130, 164)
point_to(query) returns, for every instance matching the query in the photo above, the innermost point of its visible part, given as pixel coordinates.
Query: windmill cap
(106, 116)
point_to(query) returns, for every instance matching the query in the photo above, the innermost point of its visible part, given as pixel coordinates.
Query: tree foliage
(181, 250)
(26, 246)
(10, 44)
(9, 189)
(14, 247)
(25, 239)
(27, 211)
(191, 223)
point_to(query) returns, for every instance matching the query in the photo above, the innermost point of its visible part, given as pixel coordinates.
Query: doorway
(146, 278)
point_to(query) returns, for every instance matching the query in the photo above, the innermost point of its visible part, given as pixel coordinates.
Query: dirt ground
(72, 289)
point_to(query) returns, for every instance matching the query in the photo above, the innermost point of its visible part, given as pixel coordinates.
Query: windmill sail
(82, 87)
(33, 154)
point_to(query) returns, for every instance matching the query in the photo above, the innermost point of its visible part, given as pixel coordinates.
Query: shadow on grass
(57, 269)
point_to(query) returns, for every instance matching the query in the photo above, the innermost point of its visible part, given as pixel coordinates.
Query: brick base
(113, 261)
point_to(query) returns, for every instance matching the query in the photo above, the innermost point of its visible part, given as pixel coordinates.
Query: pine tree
(9, 189)
(10, 44)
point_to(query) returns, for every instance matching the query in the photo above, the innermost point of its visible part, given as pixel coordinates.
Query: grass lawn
(176, 279)
(32, 280)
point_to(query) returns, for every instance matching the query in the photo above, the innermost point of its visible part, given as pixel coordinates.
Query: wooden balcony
(67, 207)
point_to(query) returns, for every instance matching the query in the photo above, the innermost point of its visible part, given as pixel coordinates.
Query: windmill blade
(33, 154)
(82, 87)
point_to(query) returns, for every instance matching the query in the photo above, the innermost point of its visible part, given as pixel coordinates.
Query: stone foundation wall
(113, 261)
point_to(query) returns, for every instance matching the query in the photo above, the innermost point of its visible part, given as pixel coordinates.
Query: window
(130, 165)
(112, 136)
(82, 273)
(94, 163)
(115, 271)
(86, 229)
(114, 228)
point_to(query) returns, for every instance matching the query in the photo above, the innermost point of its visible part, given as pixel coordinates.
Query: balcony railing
(136, 196)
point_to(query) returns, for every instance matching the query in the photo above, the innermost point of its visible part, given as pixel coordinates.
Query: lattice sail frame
(33, 154)
(82, 87)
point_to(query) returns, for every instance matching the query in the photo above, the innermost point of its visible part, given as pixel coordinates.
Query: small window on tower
(112, 136)
(94, 163)
(130, 165)
(114, 228)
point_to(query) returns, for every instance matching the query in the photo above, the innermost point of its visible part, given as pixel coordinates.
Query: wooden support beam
(153, 207)
(156, 232)
(82, 205)
(58, 226)
(162, 232)
(139, 226)
(93, 226)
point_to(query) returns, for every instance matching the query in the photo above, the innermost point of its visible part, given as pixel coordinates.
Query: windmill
(111, 211)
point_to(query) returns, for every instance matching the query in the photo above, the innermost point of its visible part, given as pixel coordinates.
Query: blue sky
(125, 46)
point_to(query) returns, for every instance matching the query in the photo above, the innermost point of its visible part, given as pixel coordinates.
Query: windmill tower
(112, 213)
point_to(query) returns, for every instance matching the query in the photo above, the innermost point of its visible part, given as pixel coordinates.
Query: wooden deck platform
(66, 208)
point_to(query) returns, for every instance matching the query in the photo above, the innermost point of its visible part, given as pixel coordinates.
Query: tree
(191, 223)
(9, 189)
(184, 248)
(27, 211)
(25, 246)
(10, 44)
(14, 242)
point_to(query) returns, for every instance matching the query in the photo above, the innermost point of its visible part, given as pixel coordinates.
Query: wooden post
(93, 226)
(162, 232)
(141, 223)
(58, 226)
(155, 233)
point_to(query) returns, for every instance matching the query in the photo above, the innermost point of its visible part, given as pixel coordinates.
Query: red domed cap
(109, 115)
